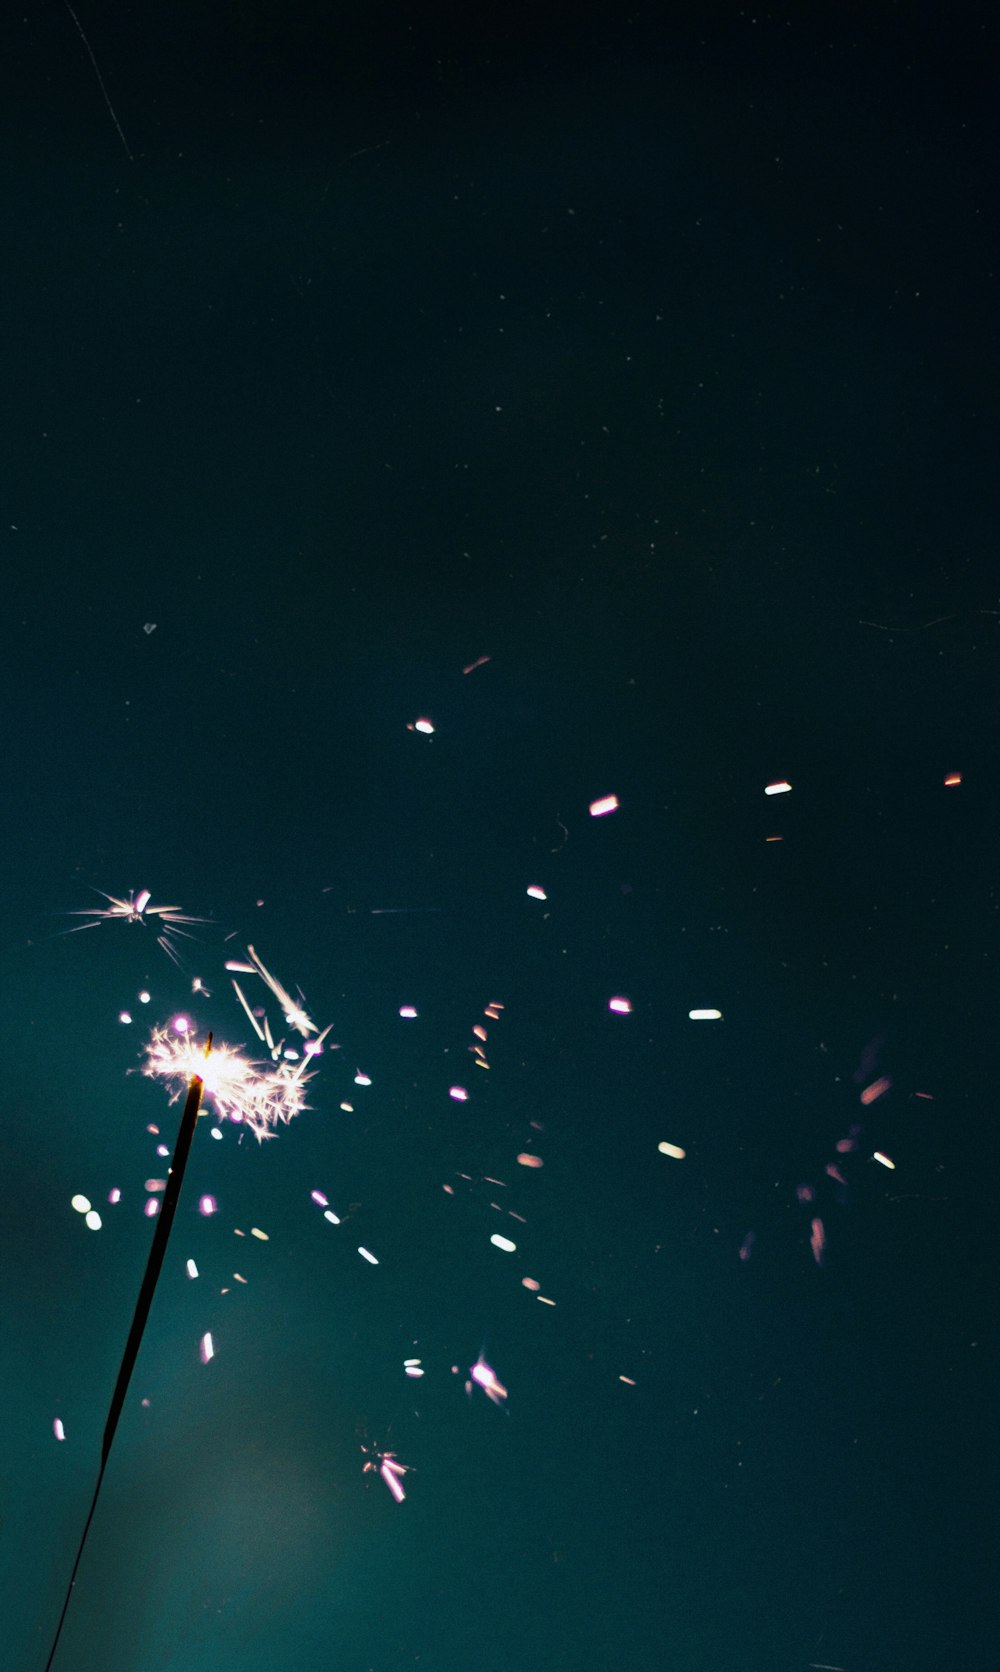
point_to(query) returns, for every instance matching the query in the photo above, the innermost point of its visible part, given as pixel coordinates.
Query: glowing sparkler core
(259, 1095)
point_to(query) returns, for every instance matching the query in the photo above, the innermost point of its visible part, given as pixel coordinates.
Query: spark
(294, 1014)
(486, 1377)
(137, 909)
(386, 1464)
(260, 1096)
(877, 1089)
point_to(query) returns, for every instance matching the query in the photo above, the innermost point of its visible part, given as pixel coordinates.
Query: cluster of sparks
(137, 909)
(259, 1095)
(265, 1092)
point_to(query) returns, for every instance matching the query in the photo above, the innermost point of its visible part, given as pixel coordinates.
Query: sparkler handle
(175, 1178)
(164, 1220)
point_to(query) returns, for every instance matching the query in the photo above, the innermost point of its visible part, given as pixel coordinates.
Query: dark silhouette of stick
(147, 1288)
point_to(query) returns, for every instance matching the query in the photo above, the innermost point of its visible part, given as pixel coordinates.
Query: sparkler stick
(165, 1218)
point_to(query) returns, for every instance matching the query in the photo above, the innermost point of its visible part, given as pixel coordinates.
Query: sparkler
(147, 1289)
(262, 1097)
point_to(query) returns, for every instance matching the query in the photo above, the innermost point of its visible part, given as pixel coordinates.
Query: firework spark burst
(259, 1095)
(137, 909)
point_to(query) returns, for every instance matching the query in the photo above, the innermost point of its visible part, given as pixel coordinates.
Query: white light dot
(93, 1220)
(81, 1204)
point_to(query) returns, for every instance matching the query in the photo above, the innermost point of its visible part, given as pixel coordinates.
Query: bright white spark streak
(293, 1013)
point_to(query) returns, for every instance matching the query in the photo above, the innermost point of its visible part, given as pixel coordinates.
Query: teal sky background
(653, 361)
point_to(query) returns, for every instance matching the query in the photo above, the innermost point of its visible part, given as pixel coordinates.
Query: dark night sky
(656, 362)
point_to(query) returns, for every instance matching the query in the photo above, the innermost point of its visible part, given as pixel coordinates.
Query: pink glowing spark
(387, 1465)
(621, 1006)
(877, 1089)
(536, 892)
(392, 1473)
(526, 1159)
(606, 804)
(817, 1240)
(480, 662)
(486, 1378)
(206, 1348)
(58, 1429)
